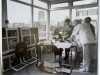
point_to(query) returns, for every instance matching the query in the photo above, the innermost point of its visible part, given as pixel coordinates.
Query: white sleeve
(75, 31)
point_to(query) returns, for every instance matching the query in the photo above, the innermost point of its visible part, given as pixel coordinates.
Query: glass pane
(18, 13)
(57, 21)
(27, 1)
(40, 3)
(87, 12)
(57, 17)
(74, 14)
(84, 2)
(40, 21)
(40, 16)
(59, 5)
(92, 11)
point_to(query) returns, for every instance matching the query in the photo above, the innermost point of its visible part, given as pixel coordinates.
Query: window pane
(27, 1)
(40, 3)
(84, 2)
(87, 12)
(18, 13)
(59, 5)
(40, 21)
(40, 15)
(58, 16)
(92, 11)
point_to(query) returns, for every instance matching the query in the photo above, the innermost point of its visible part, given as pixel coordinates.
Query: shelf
(8, 51)
(4, 45)
(12, 37)
(26, 35)
(4, 37)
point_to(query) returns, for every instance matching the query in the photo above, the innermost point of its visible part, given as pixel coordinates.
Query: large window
(84, 2)
(18, 13)
(59, 5)
(58, 16)
(40, 21)
(87, 12)
(27, 1)
(40, 15)
(40, 3)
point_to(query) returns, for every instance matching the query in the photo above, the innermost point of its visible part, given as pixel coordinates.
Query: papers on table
(63, 45)
(63, 70)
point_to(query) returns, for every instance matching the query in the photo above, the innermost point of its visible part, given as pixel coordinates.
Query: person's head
(77, 21)
(87, 19)
(67, 21)
(6, 21)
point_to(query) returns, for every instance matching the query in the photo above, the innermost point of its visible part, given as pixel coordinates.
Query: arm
(75, 32)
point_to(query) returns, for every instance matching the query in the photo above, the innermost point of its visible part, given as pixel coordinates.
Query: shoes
(84, 68)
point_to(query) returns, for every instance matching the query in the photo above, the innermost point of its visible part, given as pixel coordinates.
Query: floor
(32, 70)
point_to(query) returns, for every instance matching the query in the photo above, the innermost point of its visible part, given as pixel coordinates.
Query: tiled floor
(32, 70)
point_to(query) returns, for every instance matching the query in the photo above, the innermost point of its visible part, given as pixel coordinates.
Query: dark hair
(6, 22)
(67, 20)
(79, 21)
(87, 19)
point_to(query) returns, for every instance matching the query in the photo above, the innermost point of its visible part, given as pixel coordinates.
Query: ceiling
(59, 1)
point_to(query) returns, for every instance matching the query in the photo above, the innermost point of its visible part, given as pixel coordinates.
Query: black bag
(92, 29)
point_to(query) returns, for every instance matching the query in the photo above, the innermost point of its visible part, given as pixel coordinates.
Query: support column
(4, 13)
(48, 17)
(32, 13)
(49, 6)
(70, 10)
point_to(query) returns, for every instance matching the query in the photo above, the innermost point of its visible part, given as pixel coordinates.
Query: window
(84, 2)
(18, 13)
(87, 11)
(74, 14)
(40, 3)
(59, 5)
(58, 16)
(92, 11)
(27, 1)
(40, 21)
(40, 15)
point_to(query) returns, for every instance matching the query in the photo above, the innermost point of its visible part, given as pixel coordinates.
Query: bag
(92, 29)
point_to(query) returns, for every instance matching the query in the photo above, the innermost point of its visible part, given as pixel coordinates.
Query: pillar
(32, 13)
(48, 17)
(70, 9)
(4, 13)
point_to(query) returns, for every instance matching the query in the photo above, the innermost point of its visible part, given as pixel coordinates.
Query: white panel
(18, 13)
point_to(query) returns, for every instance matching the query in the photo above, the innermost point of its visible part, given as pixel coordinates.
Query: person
(86, 36)
(88, 41)
(68, 28)
(76, 41)
(76, 24)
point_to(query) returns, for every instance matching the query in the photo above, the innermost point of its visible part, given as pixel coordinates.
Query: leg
(60, 56)
(66, 59)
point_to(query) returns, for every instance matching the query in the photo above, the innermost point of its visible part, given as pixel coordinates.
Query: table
(69, 51)
(63, 45)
